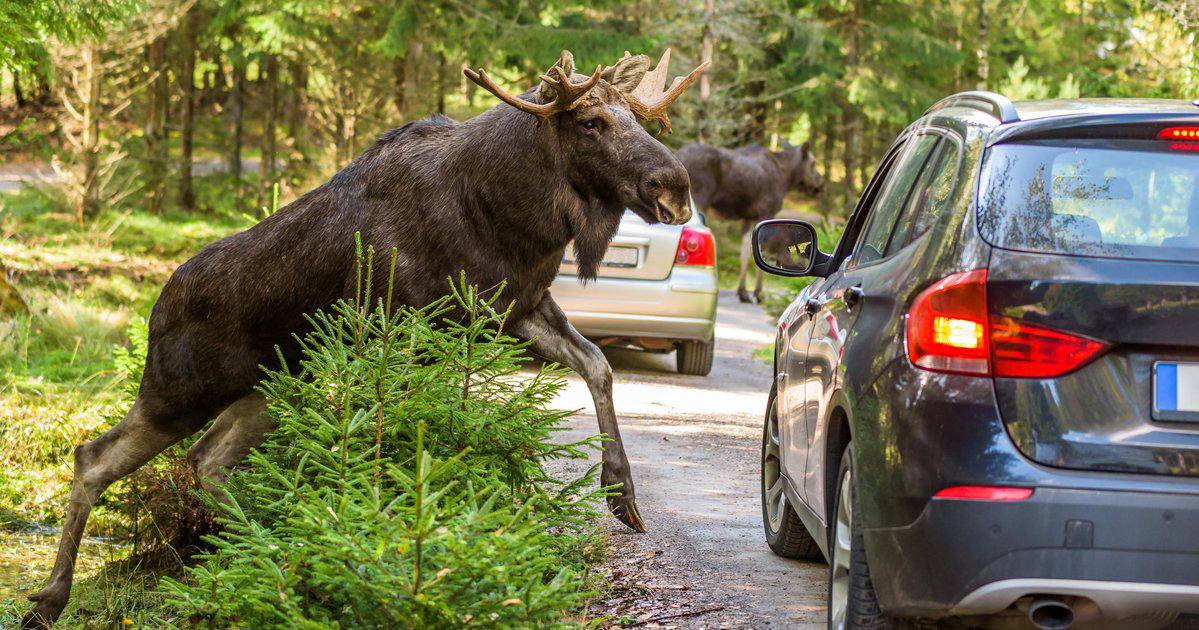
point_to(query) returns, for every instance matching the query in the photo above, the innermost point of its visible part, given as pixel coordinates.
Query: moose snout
(668, 191)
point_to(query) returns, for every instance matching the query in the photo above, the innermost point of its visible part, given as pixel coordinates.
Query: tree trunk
(865, 146)
(339, 139)
(399, 68)
(42, 95)
(216, 80)
(831, 199)
(16, 89)
(187, 77)
(89, 199)
(466, 86)
(155, 126)
(849, 152)
(266, 170)
(705, 88)
(412, 79)
(298, 164)
(10, 299)
(236, 109)
(778, 124)
(442, 79)
(983, 52)
(296, 117)
(851, 116)
(819, 144)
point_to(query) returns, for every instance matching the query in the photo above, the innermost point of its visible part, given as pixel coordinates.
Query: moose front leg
(553, 338)
(747, 252)
(758, 284)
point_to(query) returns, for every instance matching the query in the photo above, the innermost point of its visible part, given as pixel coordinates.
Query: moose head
(594, 124)
(801, 169)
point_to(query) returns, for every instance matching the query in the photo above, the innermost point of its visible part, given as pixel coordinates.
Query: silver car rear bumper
(681, 306)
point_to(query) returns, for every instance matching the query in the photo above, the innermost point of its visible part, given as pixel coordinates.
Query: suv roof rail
(994, 104)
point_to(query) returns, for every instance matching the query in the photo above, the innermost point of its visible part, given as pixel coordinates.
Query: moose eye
(591, 124)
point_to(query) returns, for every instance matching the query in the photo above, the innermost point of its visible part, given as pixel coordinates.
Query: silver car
(656, 291)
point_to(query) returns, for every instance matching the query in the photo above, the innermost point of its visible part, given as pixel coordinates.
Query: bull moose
(749, 184)
(496, 197)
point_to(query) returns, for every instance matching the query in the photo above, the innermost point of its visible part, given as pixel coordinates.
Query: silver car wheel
(842, 553)
(773, 497)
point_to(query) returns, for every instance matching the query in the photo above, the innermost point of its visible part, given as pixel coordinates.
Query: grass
(87, 286)
(84, 284)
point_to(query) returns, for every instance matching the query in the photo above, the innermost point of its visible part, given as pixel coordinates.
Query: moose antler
(649, 100)
(567, 93)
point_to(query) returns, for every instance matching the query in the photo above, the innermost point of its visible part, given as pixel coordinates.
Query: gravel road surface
(693, 444)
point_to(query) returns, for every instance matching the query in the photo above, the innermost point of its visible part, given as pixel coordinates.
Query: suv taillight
(947, 325)
(696, 247)
(949, 330)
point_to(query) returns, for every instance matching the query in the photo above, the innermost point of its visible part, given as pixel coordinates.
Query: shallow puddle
(27, 555)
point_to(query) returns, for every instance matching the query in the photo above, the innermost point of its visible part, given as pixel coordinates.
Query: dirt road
(693, 444)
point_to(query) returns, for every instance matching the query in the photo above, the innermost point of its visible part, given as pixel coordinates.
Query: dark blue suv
(986, 406)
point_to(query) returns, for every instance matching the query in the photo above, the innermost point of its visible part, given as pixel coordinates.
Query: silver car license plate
(616, 256)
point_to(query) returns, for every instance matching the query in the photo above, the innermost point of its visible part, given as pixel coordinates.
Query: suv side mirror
(787, 247)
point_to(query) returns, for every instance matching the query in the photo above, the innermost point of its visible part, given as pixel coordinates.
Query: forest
(132, 100)
(134, 132)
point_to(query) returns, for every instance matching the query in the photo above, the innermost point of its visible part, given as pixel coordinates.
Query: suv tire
(695, 357)
(791, 539)
(851, 575)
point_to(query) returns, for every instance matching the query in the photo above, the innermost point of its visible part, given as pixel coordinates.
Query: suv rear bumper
(1126, 553)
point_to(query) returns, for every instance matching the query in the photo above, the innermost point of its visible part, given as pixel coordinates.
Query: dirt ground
(693, 444)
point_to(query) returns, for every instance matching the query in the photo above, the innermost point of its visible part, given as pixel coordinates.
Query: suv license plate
(1175, 391)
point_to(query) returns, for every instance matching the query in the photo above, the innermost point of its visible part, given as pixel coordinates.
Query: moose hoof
(743, 295)
(50, 602)
(40, 618)
(625, 511)
(758, 297)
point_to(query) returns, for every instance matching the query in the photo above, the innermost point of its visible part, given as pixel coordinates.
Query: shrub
(406, 483)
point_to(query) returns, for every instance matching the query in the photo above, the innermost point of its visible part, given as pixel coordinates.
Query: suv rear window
(1114, 198)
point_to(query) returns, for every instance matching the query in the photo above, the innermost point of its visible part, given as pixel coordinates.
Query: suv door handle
(853, 296)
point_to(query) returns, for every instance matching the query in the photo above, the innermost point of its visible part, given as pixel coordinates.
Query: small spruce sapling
(406, 484)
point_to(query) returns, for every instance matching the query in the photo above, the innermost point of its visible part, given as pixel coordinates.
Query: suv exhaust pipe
(1050, 613)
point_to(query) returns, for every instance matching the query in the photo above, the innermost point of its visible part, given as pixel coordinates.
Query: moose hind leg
(553, 338)
(747, 244)
(240, 428)
(118, 452)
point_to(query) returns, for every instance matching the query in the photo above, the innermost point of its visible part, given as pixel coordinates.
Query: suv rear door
(860, 299)
(1098, 239)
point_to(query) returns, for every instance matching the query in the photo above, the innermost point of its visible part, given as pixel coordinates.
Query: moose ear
(545, 92)
(806, 147)
(627, 73)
